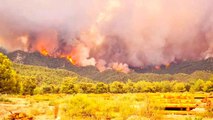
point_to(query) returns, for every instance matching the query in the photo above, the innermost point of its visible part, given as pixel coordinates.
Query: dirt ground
(39, 111)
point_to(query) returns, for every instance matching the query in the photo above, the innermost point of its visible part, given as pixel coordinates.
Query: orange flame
(44, 52)
(71, 60)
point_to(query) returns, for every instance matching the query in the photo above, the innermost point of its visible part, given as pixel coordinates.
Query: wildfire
(71, 60)
(44, 52)
(79, 53)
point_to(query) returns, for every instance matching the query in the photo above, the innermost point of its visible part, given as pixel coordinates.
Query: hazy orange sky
(110, 33)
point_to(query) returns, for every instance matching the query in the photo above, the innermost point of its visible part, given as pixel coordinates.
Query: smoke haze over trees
(110, 34)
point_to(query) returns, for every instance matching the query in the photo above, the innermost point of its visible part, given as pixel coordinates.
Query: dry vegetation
(129, 106)
(30, 92)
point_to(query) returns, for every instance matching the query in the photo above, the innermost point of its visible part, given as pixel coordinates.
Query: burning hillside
(111, 34)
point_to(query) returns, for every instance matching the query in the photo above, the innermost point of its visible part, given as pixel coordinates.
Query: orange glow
(69, 57)
(71, 60)
(44, 52)
(167, 65)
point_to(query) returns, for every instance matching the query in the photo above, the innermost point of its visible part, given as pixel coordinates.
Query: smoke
(110, 34)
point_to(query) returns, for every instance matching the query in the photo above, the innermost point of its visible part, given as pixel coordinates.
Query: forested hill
(181, 71)
(27, 79)
(47, 75)
(55, 76)
(187, 67)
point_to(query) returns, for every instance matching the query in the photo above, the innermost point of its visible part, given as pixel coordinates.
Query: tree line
(69, 87)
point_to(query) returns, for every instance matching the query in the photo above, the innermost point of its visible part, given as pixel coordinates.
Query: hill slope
(187, 67)
(37, 59)
(47, 75)
(184, 68)
(56, 76)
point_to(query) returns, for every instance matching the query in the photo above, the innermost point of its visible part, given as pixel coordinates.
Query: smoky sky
(110, 33)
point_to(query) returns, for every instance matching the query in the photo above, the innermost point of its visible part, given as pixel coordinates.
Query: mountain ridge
(37, 59)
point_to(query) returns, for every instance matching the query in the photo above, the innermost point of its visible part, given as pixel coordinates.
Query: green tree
(198, 85)
(143, 86)
(117, 87)
(157, 87)
(167, 86)
(179, 87)
(84, 87)
(101, 87)
(68, 85)
(208, 86)
(130, 87)
(49, 89)
(8, 77)
(27, 85)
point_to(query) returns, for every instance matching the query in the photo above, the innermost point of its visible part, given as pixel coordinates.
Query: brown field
(142, 106)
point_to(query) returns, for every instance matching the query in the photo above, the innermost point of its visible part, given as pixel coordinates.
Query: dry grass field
(142, 106)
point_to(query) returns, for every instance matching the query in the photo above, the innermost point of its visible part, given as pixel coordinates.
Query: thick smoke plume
(110, 33)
